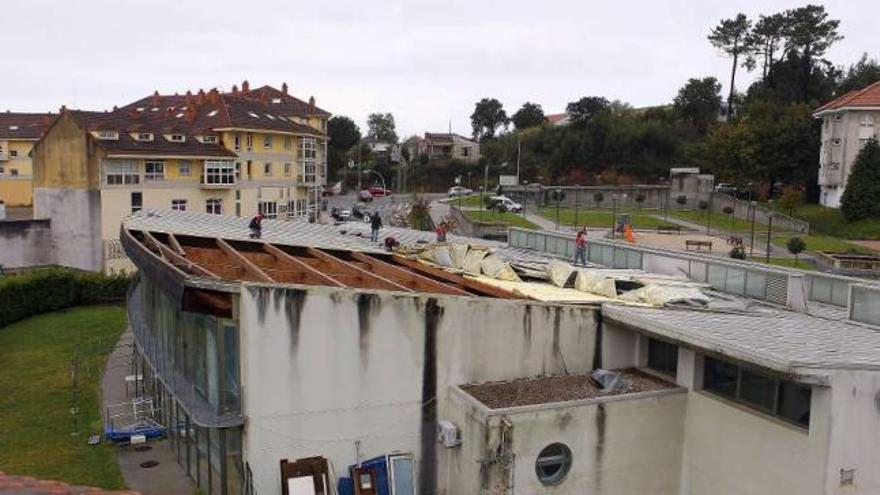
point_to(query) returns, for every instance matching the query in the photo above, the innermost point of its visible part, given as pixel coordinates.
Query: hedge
(51, 289)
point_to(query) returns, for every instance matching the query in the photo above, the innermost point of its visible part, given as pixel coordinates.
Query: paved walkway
(167, 478)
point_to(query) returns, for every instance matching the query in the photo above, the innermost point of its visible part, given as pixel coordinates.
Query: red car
(379, 191)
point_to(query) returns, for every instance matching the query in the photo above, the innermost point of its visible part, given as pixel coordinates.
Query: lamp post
(576, 189)
(769, 228)
(558, 200)
(753, 205)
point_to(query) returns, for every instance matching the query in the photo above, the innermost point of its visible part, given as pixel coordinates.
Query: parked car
(456, 191)
(365, 196)
(378, 191)
(509, 204)
(725, 188)
(332, 189)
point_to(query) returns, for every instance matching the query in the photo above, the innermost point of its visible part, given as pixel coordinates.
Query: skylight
(154, 109)
(13, 128)
(179, 115)
(252, 114)
(140, 109)
(212, 113)
(276, 100)
(270, 117)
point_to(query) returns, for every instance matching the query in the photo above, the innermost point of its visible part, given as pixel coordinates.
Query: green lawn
(787, 262)
(825, 243)
(829, 221)
(35, 419)
(472, 200)
(514, 219)
(720, 221)
(600, 218)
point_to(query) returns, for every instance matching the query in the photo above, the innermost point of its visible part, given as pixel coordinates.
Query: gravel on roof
(558, 388)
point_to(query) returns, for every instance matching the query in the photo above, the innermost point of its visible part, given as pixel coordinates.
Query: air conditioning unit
(448, 434)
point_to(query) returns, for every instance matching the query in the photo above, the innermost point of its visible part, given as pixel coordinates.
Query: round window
(553, 463)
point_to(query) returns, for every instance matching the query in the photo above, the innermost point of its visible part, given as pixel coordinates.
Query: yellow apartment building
(221, 153)
(18, 133)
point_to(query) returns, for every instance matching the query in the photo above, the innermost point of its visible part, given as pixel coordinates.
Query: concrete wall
(26, 243)
(344, 373)
(16, 191)
(855, 433)
(483, 230)
(619, 445)
(76, 225)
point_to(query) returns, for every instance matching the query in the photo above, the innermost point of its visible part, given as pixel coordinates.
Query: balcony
(216, 183)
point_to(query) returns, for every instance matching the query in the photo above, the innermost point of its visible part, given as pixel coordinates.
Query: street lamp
(753, 205)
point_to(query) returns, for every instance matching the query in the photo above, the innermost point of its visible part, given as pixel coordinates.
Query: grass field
(472, 200)
(600, 218)
(35, 419)
(514, 219)
(829, 221)
(825, 243)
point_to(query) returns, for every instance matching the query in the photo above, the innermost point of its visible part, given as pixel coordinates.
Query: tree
(730, 36)
(809, 32)
(529, 115)
(791, 198)
(861, 198)
(682, 200)
(584, 111)
(598, 197)
(728, 210)
(860, 75)
(764, 40)
(698, 102)
(381, 127)
(703, 205)
(796, 246)
(640, 198)
(488, 116)
(343, 132)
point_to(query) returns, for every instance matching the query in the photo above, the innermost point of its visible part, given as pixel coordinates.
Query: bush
(796, 246)
(682, 200)
(52, 289)
(738, 252)
(728, 210)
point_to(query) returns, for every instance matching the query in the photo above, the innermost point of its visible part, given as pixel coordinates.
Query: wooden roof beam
(247, 264)
(176, 245)
(437, 273)
(170, 255)
(370, 280)
(307, 270)
(412, 279)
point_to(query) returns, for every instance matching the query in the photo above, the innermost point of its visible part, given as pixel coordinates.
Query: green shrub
(860, 198)
(45, 290)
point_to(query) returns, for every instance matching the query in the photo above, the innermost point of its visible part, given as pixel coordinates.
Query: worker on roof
(375, 225)
(580, 247)
(256, 226)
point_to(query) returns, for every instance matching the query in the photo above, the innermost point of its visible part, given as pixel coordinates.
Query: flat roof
(775, 338)
(558, 388)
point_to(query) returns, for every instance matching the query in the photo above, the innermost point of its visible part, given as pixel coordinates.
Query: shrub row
(51, 289)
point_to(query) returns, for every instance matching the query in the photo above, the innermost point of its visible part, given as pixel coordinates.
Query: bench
(668, 229)
(697, 245)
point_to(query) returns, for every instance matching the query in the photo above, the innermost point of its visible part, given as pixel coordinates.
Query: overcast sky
(426, 62)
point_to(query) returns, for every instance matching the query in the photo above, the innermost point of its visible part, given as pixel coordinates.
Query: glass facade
(190, 363)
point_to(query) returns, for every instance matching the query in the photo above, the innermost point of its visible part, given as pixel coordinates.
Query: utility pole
(360, 159)
(752, 242)
(769, 229)
(518, 155)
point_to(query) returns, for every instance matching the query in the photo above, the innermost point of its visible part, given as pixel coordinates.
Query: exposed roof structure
(867, 97)
(786, 341)
(26, 126)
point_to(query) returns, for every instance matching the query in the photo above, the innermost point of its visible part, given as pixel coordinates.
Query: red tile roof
(15, 125)
(860, 98)
(555, 117)
(291, 105)
(26, 485)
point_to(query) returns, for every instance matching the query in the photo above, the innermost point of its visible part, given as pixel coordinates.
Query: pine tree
(861, 198)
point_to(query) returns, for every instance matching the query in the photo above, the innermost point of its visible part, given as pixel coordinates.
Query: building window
(219, 172)
(121, 173)
(184, 168)
(268, 209)
(249, 142)
(13, 153)
(178, 204)
(236, 142)
(553, 463)
(209, 139)
(267, 169)
(154, 171)
(466, 151)
(137, 201)
(308, 150)
(214, 206)
(663, 357)
(783, 399)
(267, 142)
(288, 142)
(108, 135)
(288, 169)
(866, 121)
(177, 138)
(309, 172)
(13, 172)
(145, 136)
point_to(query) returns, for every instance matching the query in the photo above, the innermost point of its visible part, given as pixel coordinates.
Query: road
(385, 205)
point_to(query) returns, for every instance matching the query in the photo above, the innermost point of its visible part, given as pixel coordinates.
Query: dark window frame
(661, 349)
(714, 385)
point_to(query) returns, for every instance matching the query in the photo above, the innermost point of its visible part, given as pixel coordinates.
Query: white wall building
(848, 122)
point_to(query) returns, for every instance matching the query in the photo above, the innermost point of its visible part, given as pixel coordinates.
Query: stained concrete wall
(26, 243)
(350, 374)
(76, 225)
(619, 445)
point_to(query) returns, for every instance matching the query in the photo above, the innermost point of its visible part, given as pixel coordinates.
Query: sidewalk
(166, 478)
